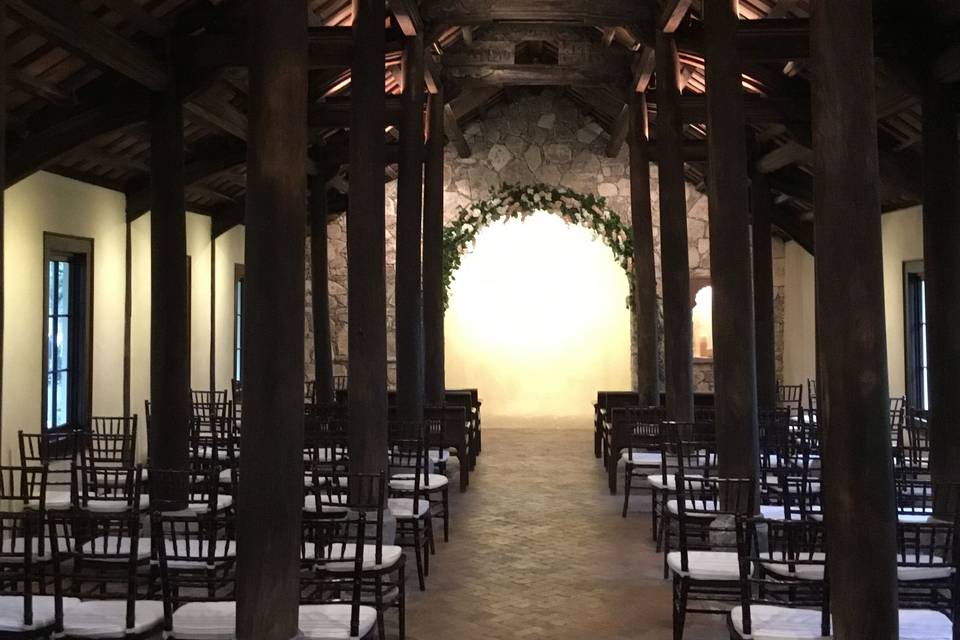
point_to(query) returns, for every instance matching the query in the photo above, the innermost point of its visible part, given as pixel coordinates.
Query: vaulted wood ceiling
(81, 74)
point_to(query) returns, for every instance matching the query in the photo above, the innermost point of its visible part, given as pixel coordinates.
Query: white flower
(537, 197)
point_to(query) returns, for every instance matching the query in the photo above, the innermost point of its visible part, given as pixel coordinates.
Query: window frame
(79, 251)
(913, 329)
(239, 282)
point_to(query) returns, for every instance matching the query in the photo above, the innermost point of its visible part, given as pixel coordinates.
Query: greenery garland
(518, 201)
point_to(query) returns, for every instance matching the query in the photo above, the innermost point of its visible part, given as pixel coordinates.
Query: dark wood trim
(853, 402)
(675, 267)
(269, 531)
(127, 316)
(71, 247)
(913, 271)
(238, 277)
(408, 293)
(366, 296)
(213, 309)
(320, 288)
(3, 187)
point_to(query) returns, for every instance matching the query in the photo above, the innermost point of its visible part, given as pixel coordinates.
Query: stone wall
(532, 137)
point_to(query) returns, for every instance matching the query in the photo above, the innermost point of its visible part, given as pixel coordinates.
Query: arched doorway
(537, 283)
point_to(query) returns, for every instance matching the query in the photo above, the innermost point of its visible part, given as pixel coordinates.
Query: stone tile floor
(538, 550)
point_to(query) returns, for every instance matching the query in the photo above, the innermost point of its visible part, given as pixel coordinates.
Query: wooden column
(213, 310)
(3, 182)
(674, 265)
(169, 303)
(734, 355)
(271, 467)
(941, 239)
(762, 201)
(127, 315)
(409, 296)
(644, 270)
(366, 295)
(320, 285)
(858, 492)
(433, 253)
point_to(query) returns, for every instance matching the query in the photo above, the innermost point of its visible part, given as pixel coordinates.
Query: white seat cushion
(332, 621)
(11, 612)
(779, 623)
(328, 503)
(773, 512)
(205, 621)
(402, 508)
(108, 618)
(223, 502)
(115, 506)
(706, 565)
(920, 624)
(206, 452)
(641, 458)
(656, 480)
(439, 455)
(700, 505)
(226, 476)
(904, 574)
(35, 555)
(430, 482)
(389, 556)
(53, 501)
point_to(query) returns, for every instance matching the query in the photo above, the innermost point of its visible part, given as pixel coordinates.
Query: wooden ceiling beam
(757, 40)
(505, 75)
(138, 17)
(407, 15)
(673, 13)
(67, 23)
(783, 156)
(335, 112)
(758, 109)
(222, 116)
(592, 13)
(619, 132)
(39, 87)
(643, 67)
(798, 231)
(452, 130)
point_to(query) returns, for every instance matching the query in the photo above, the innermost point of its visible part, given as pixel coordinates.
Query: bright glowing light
(538, 319)
(703, 323)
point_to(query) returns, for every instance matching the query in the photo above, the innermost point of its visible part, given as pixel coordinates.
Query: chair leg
(653, 512)
(402, 605)
(627, 478)
(680, 588)
(596, 443)
(378, 601)
(418, 551)
(446, 515)
(612, 474)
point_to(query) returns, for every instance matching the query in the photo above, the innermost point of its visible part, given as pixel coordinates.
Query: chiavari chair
(639, 429)
(411, 508)
(790, 396)
(433, 486)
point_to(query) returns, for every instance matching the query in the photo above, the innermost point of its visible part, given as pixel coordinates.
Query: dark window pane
(50, 406)
(51, 286)
(61, 399)
(63, 344)
(51, 343)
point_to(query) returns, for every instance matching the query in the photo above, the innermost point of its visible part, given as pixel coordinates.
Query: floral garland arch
(518, 201)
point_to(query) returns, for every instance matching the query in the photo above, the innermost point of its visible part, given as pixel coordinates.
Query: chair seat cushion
(779, 623)
(700, 508)
(389, 556)
(438, 455)
(657, 481)
(11, 612)
(108, 618)
(402, 508)
(53, 501)
(223, 502)
(328, 503)
(706, 565)
(35, 555)
(206, 452)
(205, 621)
(332, 621)
(641, 458)
(904, 574)
(115, 506)
(921, 624)
(116, 546)
(404, 482)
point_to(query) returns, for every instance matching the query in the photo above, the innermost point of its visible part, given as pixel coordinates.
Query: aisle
(538, 550)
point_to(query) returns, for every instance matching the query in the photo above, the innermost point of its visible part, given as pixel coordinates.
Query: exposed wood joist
(643, 67)
(329, 48)
(799, 231)
(758, 109)
(39, 87)
(208, 163)
(602, 13)
(335, 112)
(452, 128)
(673, 13)
(758, 40)
(619, 132)
(540, 75)
(218, 115)
(790, 153)
(69, 24)
(407, 15)
(136, 15)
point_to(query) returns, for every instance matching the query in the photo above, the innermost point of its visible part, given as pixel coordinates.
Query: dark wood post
(366, 295)
(644, 270)
(127, 315)
(734, 356)
(941, 238)
(854, 415)
(762, 201)
(271, 492)
(3, 178)
(433, 253)
(674, 258)
(320, 285)
(213, 310)
(409, 296)
(169, 305)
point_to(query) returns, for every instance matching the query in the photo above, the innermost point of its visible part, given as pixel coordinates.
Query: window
(915, 322)
(702, 316)
(67, 281)
(238, 297)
